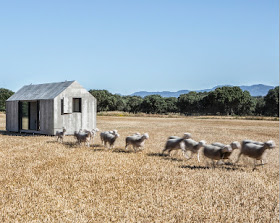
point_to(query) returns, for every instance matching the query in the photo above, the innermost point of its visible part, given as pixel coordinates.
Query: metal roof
(40, 91)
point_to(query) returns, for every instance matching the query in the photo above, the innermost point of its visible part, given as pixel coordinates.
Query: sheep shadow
(194, 167)
(165, 156)
(71, 144)
(173, 159)
(157, 154)
(119, 150)
(97, 150)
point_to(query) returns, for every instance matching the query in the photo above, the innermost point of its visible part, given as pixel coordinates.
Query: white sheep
(110, 139)
(255, 150)
(215, 152)
(234, 145)
(175, 143)
(60, 135)
(92, 133)
(188, 135)
(82, 137)
(193, 147)
(136, 140)
(103, 135)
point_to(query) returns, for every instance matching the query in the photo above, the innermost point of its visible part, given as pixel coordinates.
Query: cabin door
(29, 115)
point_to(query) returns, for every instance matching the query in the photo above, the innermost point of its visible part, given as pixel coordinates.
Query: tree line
(221, 101)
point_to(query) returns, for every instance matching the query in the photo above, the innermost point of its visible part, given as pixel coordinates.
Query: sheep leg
(255, 162)
(213, 163)
(126, 146)
(190, 156)
(198, 157)
(238, 157)
(163, 150)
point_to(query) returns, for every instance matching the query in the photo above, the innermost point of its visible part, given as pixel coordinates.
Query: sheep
(234, 145)
(92, 133)
(110, 138)
(175, 143)
(60, 135)
(136, 140)
(193, 146)
(82, 137)
(103, 135)
(216, 152)
(189, 136)
(255, 150)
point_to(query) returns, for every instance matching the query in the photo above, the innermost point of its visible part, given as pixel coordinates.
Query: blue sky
(128, 46)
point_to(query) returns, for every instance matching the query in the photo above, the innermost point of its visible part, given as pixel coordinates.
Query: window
(77, 105)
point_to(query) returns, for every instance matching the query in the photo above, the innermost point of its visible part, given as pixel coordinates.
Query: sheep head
(146, 135)
(187, 135)
(201, 143)
(270, 144)
(226, 149)
(235, 145)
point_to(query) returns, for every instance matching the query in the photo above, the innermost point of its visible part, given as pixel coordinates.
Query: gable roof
(40, 91)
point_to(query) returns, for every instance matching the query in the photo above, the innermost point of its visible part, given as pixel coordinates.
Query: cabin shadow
(4, 132)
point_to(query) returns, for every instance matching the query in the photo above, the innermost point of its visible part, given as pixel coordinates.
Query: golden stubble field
(45, 181)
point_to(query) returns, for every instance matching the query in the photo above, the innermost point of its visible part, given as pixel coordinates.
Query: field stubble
(43, 180)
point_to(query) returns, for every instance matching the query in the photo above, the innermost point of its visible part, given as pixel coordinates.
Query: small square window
(77, 105)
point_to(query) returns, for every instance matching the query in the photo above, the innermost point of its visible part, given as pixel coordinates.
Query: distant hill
(255, 90)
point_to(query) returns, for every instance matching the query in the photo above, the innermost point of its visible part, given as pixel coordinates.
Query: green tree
(171, 104)
(4, 95)
(191, 102)
(272, 102)
(104, 100)
(133, 104)
(154, 104)
(259, 105)
(229, 101)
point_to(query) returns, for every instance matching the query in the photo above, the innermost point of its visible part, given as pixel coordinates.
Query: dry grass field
(45, 181)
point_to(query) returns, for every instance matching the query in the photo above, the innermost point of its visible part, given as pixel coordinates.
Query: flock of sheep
(215, 151)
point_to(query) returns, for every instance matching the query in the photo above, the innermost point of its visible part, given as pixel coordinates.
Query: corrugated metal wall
(74, 121)
(12, 116)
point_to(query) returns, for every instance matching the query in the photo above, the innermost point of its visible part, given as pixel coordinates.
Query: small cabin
(46, 108)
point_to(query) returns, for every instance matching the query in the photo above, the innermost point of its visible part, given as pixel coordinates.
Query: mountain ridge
(255, 90)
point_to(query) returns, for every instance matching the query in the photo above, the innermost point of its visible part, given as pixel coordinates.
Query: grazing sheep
(215, 152)
(234, 145)
(175, 143)
(110, 138)
(82, 137)
(255, 150)
(193, 146)
(60, 135)
(136, 140)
